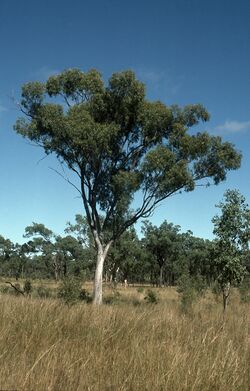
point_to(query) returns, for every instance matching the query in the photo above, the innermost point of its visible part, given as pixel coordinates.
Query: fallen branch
(13, 286)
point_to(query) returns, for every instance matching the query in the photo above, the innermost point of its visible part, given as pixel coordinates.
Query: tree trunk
(161, 276)
(64, 268)
(225, 293)
(101, 256)
(56, 267)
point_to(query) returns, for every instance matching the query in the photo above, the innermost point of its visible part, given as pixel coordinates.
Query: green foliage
(151, 297)
(113, 298)
(123, 257)
(118, 143)
(80, 229)
(244, 289)
(27, 288)
(6, 248)
(215, 288)
(53, 252)
(195, 258)
(190, 289)
(70, 290)
(129, 258)
(232, 229)
(39, 230)
(85, 296)
(6, 290)
(163, 245)
(229, 269)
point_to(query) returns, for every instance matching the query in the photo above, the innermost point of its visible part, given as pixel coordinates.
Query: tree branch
(66, 179)
(13, 286)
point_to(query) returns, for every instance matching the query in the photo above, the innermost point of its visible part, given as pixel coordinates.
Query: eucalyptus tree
(197, 255)
(232, 230)
(123, 257)
(42, 242)
(74, 257)
(8, 258)
(6, 248)
(80, 230)
(118, 143)
(56, 251)
(163, 244)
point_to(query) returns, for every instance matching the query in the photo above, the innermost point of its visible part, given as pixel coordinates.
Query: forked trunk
(101, 256)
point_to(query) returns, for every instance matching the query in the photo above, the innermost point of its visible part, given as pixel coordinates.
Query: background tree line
(161, 257)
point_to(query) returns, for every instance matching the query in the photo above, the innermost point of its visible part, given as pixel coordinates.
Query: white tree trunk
(101, 256)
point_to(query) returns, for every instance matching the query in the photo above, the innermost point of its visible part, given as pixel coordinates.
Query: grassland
(127, 346)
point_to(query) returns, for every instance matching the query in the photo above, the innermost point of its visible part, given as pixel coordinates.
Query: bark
(101, 256)
(161, 276)
(56, 267)
(65, 268)
(225, 293)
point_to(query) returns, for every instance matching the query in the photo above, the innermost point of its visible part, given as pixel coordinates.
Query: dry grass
(44, 345)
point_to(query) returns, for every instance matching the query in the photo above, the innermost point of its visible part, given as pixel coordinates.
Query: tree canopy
(163, 244)
(232, 230)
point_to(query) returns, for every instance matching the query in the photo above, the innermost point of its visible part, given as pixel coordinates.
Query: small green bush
(140, 289)
(70, 290)
(85, 296)
(190, 289)
(151, 297)
(6, 290)
(113, 298)
(244, 290)
(27, 288)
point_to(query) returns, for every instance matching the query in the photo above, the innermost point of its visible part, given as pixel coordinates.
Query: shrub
(151, 297)
(6, 290)
(244, 289)
(114, 298)
(70, 290)
(27, 288)
(85, 296)
(190, 289)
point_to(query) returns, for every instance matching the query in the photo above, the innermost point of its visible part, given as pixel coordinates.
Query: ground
(127, 345)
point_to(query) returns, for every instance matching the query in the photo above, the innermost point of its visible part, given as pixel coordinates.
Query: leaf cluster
(232, 230)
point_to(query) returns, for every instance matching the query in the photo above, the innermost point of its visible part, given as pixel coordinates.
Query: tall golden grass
(46, 345)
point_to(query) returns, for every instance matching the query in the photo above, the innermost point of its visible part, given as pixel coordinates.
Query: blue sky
(186, 51)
